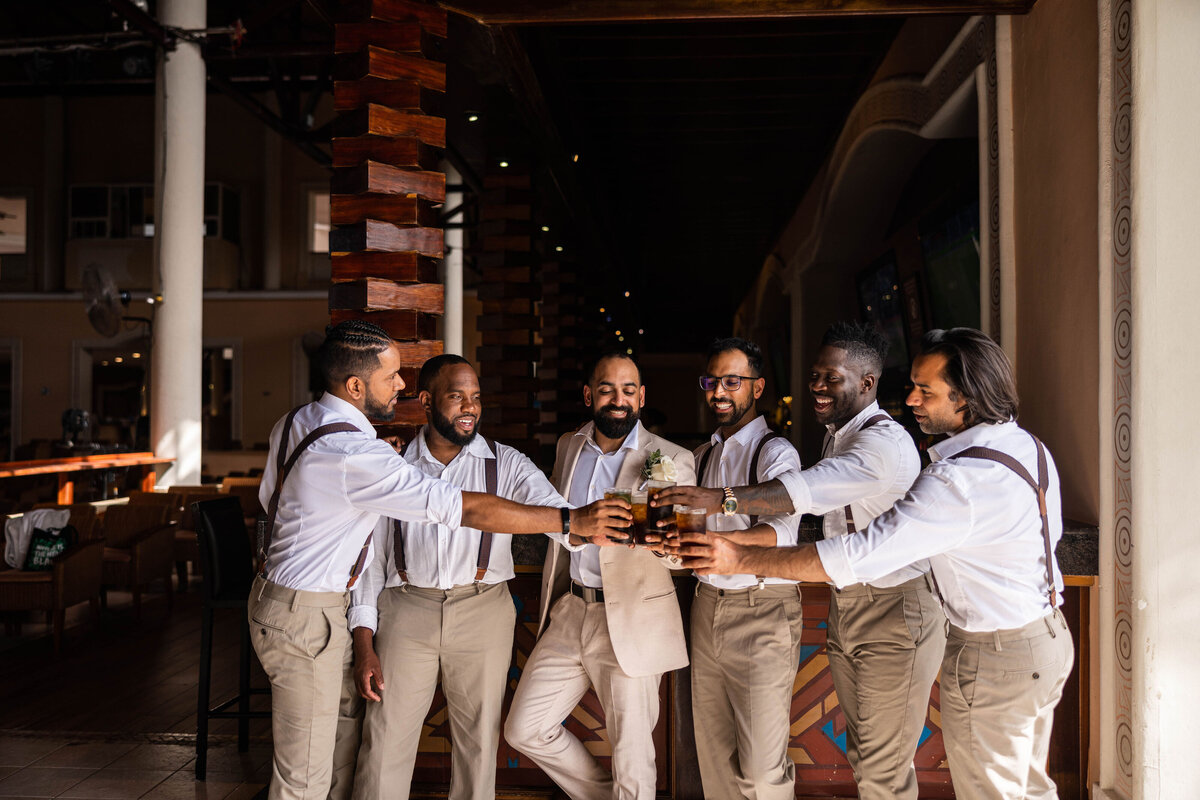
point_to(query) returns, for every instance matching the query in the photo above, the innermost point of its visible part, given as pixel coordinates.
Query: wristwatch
(730, 506)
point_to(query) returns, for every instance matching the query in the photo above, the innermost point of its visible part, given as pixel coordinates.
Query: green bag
(47, 545)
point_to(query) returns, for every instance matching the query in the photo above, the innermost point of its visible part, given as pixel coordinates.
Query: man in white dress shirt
(987, 514)
(745, 629)
(886, 637)
(328, 480)
(609, 617)
(438, 601)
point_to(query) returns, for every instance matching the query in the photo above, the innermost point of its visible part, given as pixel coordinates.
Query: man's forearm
(761, 535)
(794, 563)
(487, 512)
(764, 499)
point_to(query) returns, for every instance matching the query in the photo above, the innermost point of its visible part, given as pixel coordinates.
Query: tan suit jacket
(644, 621)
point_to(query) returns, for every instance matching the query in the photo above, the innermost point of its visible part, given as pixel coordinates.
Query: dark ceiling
(695, 140)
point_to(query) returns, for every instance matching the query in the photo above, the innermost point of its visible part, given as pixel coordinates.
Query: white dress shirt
(868, 470)
(437, 556)
(729, 465)
(978, 525)
(335, 494)
(595, 471)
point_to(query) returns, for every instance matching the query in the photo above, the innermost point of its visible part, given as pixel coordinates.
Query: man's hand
(368, 672)
(601, 519)
(695, 496)
(711, 554)
(395, 441)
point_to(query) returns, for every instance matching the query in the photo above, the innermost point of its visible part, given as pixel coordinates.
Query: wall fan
(104, 302)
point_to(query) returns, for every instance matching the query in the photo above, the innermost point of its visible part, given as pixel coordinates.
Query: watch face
(729, 507)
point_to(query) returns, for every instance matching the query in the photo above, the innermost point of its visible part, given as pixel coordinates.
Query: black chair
(227, 565)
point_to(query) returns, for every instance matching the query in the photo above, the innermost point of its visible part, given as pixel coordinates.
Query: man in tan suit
(616, 623)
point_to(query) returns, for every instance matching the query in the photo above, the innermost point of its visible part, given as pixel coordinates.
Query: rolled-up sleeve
(378, 479)
(934, 517)
(781, 459)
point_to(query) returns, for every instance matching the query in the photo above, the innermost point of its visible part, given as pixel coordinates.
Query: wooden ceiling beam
(538, 12)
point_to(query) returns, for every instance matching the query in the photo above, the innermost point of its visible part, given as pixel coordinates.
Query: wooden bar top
(49, 466)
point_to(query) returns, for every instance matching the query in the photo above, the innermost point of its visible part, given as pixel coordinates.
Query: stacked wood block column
(568, 346)
(387, 235)
(508, 290)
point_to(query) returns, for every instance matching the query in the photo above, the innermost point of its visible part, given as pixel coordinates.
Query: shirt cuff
(835, 562)
(797, 489)
(446, 506)
(363, 617)
(787, 532)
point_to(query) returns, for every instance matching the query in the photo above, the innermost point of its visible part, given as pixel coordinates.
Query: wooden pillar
(509, 321)
(385, 185)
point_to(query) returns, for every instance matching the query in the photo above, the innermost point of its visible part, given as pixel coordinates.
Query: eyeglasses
(731, 382)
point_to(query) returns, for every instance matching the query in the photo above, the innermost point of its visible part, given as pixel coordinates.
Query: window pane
(13, 224)
(318, 221)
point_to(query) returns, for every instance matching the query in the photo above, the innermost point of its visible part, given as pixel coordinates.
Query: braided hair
(351, 347)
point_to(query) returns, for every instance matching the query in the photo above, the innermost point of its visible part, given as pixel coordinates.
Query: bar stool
(227, 566)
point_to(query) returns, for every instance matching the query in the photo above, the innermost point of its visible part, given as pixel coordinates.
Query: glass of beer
(640, 510)
(627, 496)
(657, 513)
(690, 520)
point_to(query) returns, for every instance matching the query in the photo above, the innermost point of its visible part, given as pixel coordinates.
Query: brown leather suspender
(491, 482)
(751, 474)
(1039, 488)
(283, 467)
(875, 420)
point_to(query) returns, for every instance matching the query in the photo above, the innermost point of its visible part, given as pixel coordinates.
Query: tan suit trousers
(999, 690)
(304, 646)
(466, 633)
(573, 653)
(745, 652)
(884, 648)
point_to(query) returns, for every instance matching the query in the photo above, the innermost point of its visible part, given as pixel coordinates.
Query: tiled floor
(52, 766)
(113, 716)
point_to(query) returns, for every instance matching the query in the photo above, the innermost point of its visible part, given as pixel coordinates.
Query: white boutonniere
(659, 468)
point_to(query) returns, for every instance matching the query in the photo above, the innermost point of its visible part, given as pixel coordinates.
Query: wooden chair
(139, 547)
(186, 547)
(75, 578)
(228, 567)
(173, 501)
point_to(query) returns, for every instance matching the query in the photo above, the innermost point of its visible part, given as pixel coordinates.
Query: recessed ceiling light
(503, 164)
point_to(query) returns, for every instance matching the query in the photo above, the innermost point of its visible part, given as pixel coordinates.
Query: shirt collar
(477, 448)
(974, 435)
(588, 432)
(747, 434)
(856, 422)
(339, 406)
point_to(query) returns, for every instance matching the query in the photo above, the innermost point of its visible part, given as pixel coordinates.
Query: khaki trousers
(573, 653)
(466, 633)
(999, 690)
(884, 648)
(304, 646)
(745, 652)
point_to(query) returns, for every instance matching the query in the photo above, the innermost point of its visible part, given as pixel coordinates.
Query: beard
(379, 411)
(734, 414)
(613, 427)
(445, 426)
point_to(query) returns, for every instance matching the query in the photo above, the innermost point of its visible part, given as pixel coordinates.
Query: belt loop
(262, 587)
(479, 587)
(1048, 619)
(996, 639)
(295, 601)
(947, 626)
(697, 592)
(752, 596)
(404, 588)
(870, 593)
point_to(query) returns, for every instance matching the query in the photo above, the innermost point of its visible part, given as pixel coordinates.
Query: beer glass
(657, 513)
(690, 520)
(627, 496)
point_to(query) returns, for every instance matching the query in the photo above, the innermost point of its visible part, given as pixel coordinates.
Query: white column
(452, 321)
(175, 389)
(1165, 352)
